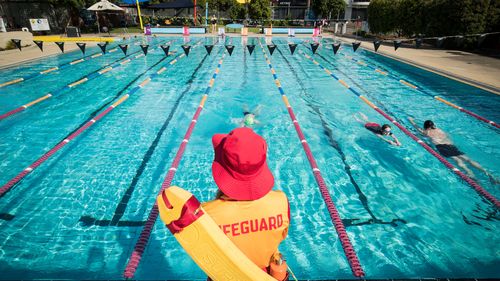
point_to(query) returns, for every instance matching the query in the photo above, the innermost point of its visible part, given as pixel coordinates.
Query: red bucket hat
(239, 168)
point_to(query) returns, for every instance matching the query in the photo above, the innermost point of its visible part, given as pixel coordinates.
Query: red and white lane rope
(142, 242)
(478, 188)
(408, 84)
(114, 65)
(6, 187)
(349, 251)
(54, 68)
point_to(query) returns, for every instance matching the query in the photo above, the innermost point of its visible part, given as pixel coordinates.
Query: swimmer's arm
(397, 143)
(386, 140)
(257, 122)
(416, 126)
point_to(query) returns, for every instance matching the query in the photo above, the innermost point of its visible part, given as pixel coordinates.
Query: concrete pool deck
(30, 50)
(476, 70)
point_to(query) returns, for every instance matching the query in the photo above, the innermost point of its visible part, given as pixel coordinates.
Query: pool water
(406, 214)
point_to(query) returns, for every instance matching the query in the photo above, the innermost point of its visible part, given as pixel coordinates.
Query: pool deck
(476, 70)
(479, 71)
(31, 52)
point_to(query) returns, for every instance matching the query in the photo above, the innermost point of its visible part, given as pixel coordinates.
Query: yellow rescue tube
(203, 240)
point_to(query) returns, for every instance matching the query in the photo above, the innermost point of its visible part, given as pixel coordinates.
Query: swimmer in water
(445, 147)
(249, 116)
(382, 132)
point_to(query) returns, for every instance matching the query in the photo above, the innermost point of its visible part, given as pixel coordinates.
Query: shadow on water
(328, 132)
(122, 205)
(94, 114)
(6, 217)
(491, 214)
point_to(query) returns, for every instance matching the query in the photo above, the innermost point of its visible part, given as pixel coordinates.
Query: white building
(356, 9)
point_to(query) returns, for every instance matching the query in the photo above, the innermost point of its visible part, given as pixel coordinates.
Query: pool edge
(483, 86)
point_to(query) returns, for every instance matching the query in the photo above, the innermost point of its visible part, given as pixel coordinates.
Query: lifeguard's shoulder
(273, 195)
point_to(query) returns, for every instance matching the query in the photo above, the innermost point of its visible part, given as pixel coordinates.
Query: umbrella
(103, 5)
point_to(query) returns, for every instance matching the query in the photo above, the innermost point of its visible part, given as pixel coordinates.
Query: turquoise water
(406, 214)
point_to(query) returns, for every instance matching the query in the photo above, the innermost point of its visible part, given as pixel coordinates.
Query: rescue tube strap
(190, 213)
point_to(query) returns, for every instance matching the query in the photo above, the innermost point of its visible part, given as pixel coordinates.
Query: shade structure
(103, 5)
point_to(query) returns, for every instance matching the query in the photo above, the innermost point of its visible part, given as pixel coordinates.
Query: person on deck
(255, 217)
(213, 22)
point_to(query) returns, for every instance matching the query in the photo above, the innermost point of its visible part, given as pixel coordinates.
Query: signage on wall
(39, 25)
(2, 25)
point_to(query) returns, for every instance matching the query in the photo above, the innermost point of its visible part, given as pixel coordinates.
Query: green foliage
(493, 17)
(327, 8)
(433, 17)
(383, 15)
(217, 5)
(410, 17)
(77, 4)
(259, 10)
(447, 17)
(237, 11)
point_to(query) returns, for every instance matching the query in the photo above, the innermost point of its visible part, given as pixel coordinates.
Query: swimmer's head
(428, 124)
(386, 129)
(249, 120)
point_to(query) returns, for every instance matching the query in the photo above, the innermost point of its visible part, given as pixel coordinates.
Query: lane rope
(114, 65)
(6, 187)
(142, 242)
(349, 251)
(54, 68)
(408, 84)
(478, 188)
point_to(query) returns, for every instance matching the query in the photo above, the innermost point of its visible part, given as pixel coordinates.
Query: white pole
(98, 27)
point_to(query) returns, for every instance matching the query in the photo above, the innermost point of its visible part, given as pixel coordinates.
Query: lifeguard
(249, 212)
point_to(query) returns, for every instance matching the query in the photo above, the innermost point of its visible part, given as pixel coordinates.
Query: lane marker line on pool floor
(6, 187)
(349, 251)
(478, 188)
(109, 67)
(142, 241)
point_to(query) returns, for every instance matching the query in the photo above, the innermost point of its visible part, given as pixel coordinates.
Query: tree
(217, 5)
(383, 15)
(237, 11)
(410, 17)
(493, 17)
(448, 17)
(259, 9)
(328, 8)
(73, 7)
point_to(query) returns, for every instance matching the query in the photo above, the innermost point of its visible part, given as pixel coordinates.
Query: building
(300, 9)
(357, 9)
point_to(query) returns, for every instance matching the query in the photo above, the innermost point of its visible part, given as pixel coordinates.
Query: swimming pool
(80, 213)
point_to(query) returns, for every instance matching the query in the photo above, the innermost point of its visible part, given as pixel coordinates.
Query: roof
(176, 4)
